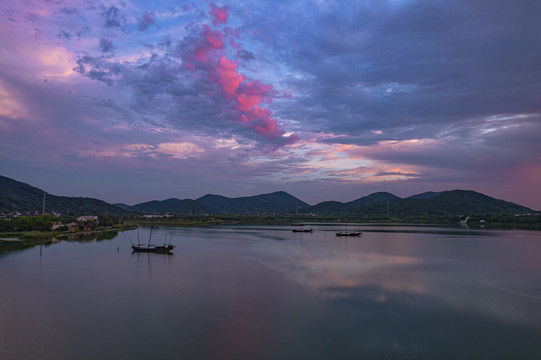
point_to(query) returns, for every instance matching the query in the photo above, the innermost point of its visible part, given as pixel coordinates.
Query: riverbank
(25, 239)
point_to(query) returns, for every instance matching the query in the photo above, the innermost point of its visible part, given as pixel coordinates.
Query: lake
(263, 292)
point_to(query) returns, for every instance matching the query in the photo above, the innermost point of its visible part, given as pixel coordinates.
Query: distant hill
(122, 206)
(18, 196)
(471, 202)
(456, 202)
(277, 202)
(15, 195)
(426, 195)
(169, 206)
(327, 207)
(372, 199)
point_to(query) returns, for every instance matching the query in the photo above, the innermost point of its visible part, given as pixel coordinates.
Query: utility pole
(43, 210)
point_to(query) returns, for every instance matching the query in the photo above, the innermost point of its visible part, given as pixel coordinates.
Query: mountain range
(15, 195)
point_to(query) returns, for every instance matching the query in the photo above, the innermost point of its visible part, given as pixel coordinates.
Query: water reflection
(258, 292)
(462, 272)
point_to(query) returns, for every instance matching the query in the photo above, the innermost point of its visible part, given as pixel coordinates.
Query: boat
(148, 248)
(299, 228)
(348, 233)
(152, 248)
(309, 230)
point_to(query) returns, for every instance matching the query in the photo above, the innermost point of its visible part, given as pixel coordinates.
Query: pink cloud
(228, 77)
(248, 97)
(215, 38)
(213, 41)
(245, 96)
(219, 14)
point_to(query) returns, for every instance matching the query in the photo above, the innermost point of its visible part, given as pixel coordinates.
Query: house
(88, 218)
(72, 226)
(56, 225)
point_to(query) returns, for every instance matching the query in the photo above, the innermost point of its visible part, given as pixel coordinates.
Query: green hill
(18, 196)
(169, 206)
(377, 198)
(277, 202)
(430, 204)
(426, 195)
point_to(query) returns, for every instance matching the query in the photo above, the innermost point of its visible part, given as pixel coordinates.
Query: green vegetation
(28, 223)
(25, 231)
(503, 221)
(492, 221)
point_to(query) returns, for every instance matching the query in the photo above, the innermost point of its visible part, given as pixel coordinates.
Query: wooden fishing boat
(309, 230)
(348, 233)
(148, 248)
(152, 248)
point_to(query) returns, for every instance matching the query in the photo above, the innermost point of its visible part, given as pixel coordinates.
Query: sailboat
(165, 248)
(348, 233)
(300, 229)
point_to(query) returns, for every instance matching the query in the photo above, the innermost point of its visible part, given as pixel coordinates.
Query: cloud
(245, 55)
(416, 93)
(106, 45)
(196, 72)
(69, 10)
(219, 14)
(146, 20)
(114, 18)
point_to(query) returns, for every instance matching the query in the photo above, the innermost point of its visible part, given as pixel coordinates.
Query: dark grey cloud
(69, 11)
(245, 55)
(146, 20)
(64, 34)
(106, 45)
(114, 18)
(418, 64)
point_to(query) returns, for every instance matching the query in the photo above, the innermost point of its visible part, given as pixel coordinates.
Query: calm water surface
(263, 292)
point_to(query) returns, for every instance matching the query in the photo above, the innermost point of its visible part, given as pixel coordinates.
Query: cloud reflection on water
(364, 269)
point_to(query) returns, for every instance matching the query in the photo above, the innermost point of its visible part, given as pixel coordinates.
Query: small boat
(299, 228)
(139, 247)
(348, 233)
(309, 230)
(152, 248)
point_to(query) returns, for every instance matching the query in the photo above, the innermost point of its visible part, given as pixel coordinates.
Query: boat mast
(150, 236)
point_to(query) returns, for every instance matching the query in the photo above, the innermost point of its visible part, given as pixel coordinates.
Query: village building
(88, 218)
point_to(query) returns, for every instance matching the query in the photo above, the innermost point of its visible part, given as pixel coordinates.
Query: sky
(132, 101)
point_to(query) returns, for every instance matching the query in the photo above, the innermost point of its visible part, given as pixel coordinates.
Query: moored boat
(165, 248)
(349, 233)
(152, 248)
(303, 230)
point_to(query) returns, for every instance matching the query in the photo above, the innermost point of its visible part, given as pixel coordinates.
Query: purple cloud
(146, 20)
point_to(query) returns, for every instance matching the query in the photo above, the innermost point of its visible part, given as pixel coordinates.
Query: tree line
(45, 223)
